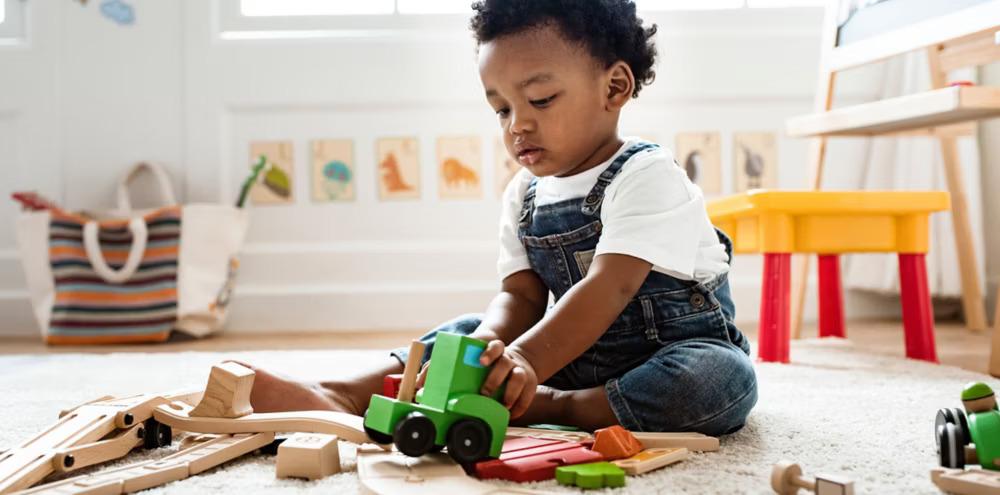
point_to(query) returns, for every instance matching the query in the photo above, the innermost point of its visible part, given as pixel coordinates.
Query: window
(279, 8)
(12, 22)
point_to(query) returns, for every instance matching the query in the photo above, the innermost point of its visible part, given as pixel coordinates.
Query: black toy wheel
(156, 434)
(469, 441)
(953, 416)
(414, 435)
(377, 436)
(952, 449)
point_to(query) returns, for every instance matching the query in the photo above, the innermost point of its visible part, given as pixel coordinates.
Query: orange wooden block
(616, 442)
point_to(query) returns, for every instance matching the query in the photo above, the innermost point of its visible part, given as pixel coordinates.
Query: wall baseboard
(260, 309)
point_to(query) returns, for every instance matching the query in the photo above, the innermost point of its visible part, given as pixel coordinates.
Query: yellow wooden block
(828, 222)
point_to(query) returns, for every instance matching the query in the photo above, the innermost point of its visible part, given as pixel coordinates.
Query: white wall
(83, 98)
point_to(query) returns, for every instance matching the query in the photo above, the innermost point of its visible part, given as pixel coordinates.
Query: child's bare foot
(273, 392)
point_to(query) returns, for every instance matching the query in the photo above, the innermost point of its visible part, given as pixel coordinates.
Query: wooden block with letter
(308, 455)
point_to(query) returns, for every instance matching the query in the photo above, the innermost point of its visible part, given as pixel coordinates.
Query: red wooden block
(616, 443)
(391, 384)
(534, 459)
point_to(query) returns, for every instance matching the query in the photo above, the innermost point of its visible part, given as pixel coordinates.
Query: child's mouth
(530, 156)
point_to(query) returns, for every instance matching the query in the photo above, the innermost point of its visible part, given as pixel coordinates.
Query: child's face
(551, 98)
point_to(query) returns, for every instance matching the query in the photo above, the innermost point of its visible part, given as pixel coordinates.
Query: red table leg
(831, 297)
(918, 315)
(774, 308)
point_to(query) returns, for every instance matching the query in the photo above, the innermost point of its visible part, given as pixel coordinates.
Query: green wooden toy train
(448, 412)
(979, 426)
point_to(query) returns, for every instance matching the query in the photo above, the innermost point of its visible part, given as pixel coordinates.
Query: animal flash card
(398, 168)
(459, 165)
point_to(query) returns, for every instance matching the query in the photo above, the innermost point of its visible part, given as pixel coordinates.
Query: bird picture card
(276, 186)
(333, 170)
(506, 167)
(459, 161)
(398, 168)
(755, 160)
(700, 155)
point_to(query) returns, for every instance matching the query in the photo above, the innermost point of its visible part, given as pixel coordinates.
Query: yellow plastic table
(830, 223)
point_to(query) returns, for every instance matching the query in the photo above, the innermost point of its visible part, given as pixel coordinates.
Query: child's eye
(502, 113)
(543, 102)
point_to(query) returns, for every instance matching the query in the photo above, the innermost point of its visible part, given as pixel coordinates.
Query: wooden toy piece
(408, 385)
(967, 481)
(592, 475)
(118, 445)
(31, 461)
(392, 473)
(695, 442)
(532, 459)
(981, 428)
(200, 456)
(615, 443)
(390, 385)
(308, 455)
(74, 408)
(566, 436)
(346, 426)
(651, 459)
(787, 479)
(227, 394)
(448, 412)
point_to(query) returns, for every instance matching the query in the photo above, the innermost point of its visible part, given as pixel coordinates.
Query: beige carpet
(834, 410)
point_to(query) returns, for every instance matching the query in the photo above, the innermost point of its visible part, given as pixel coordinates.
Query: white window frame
(12, 27)
(233, 25)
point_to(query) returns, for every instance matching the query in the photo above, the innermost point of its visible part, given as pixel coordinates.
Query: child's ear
(620, 85)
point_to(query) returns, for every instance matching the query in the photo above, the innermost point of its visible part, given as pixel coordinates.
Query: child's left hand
(512, 368)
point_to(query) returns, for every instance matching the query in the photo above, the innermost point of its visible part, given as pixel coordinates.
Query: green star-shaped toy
(592, 475)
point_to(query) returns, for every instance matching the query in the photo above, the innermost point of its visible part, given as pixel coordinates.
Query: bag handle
(162, 180)
(140, 236)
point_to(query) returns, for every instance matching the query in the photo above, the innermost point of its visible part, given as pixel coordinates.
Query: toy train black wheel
(952, 450)
(414, 435)
(469, 441)
(156, 434)
(377, 436)
(953, 416)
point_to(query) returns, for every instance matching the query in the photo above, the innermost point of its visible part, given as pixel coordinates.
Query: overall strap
(528, 204)
(592, 203)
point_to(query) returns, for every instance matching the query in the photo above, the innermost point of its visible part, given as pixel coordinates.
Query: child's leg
(273, 392)
(705, 386)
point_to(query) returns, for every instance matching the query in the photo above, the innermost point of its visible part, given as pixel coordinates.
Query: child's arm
(519, 305)
(573, 325)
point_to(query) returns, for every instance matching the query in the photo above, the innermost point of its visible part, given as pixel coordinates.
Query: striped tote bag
(129, 277)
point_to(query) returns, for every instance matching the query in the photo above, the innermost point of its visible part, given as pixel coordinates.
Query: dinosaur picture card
(398, 165)
(505, 166)
(755, 160)
(276, 186)
(459, 161)
(700, 155)
(333, 170)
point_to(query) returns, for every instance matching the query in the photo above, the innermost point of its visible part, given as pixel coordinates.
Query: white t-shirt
(651, 211)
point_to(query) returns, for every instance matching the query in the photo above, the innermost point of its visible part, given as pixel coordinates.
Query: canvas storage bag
(131, 276)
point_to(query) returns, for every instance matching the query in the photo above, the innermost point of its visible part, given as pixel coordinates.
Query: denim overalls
(673, 360)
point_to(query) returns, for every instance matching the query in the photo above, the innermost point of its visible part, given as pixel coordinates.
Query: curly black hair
(609, 29)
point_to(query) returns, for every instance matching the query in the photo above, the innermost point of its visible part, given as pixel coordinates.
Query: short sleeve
(651, 214)
(513, 258)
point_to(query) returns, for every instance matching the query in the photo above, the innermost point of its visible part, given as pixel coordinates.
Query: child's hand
(510, 367)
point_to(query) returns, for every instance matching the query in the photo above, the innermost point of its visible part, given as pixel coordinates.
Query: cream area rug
(834, 410)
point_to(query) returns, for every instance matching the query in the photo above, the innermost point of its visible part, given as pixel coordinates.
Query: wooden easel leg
(995, 346)
(972, 296)
(800, 272)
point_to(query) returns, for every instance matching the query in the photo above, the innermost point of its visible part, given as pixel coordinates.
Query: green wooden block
(592, 475)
